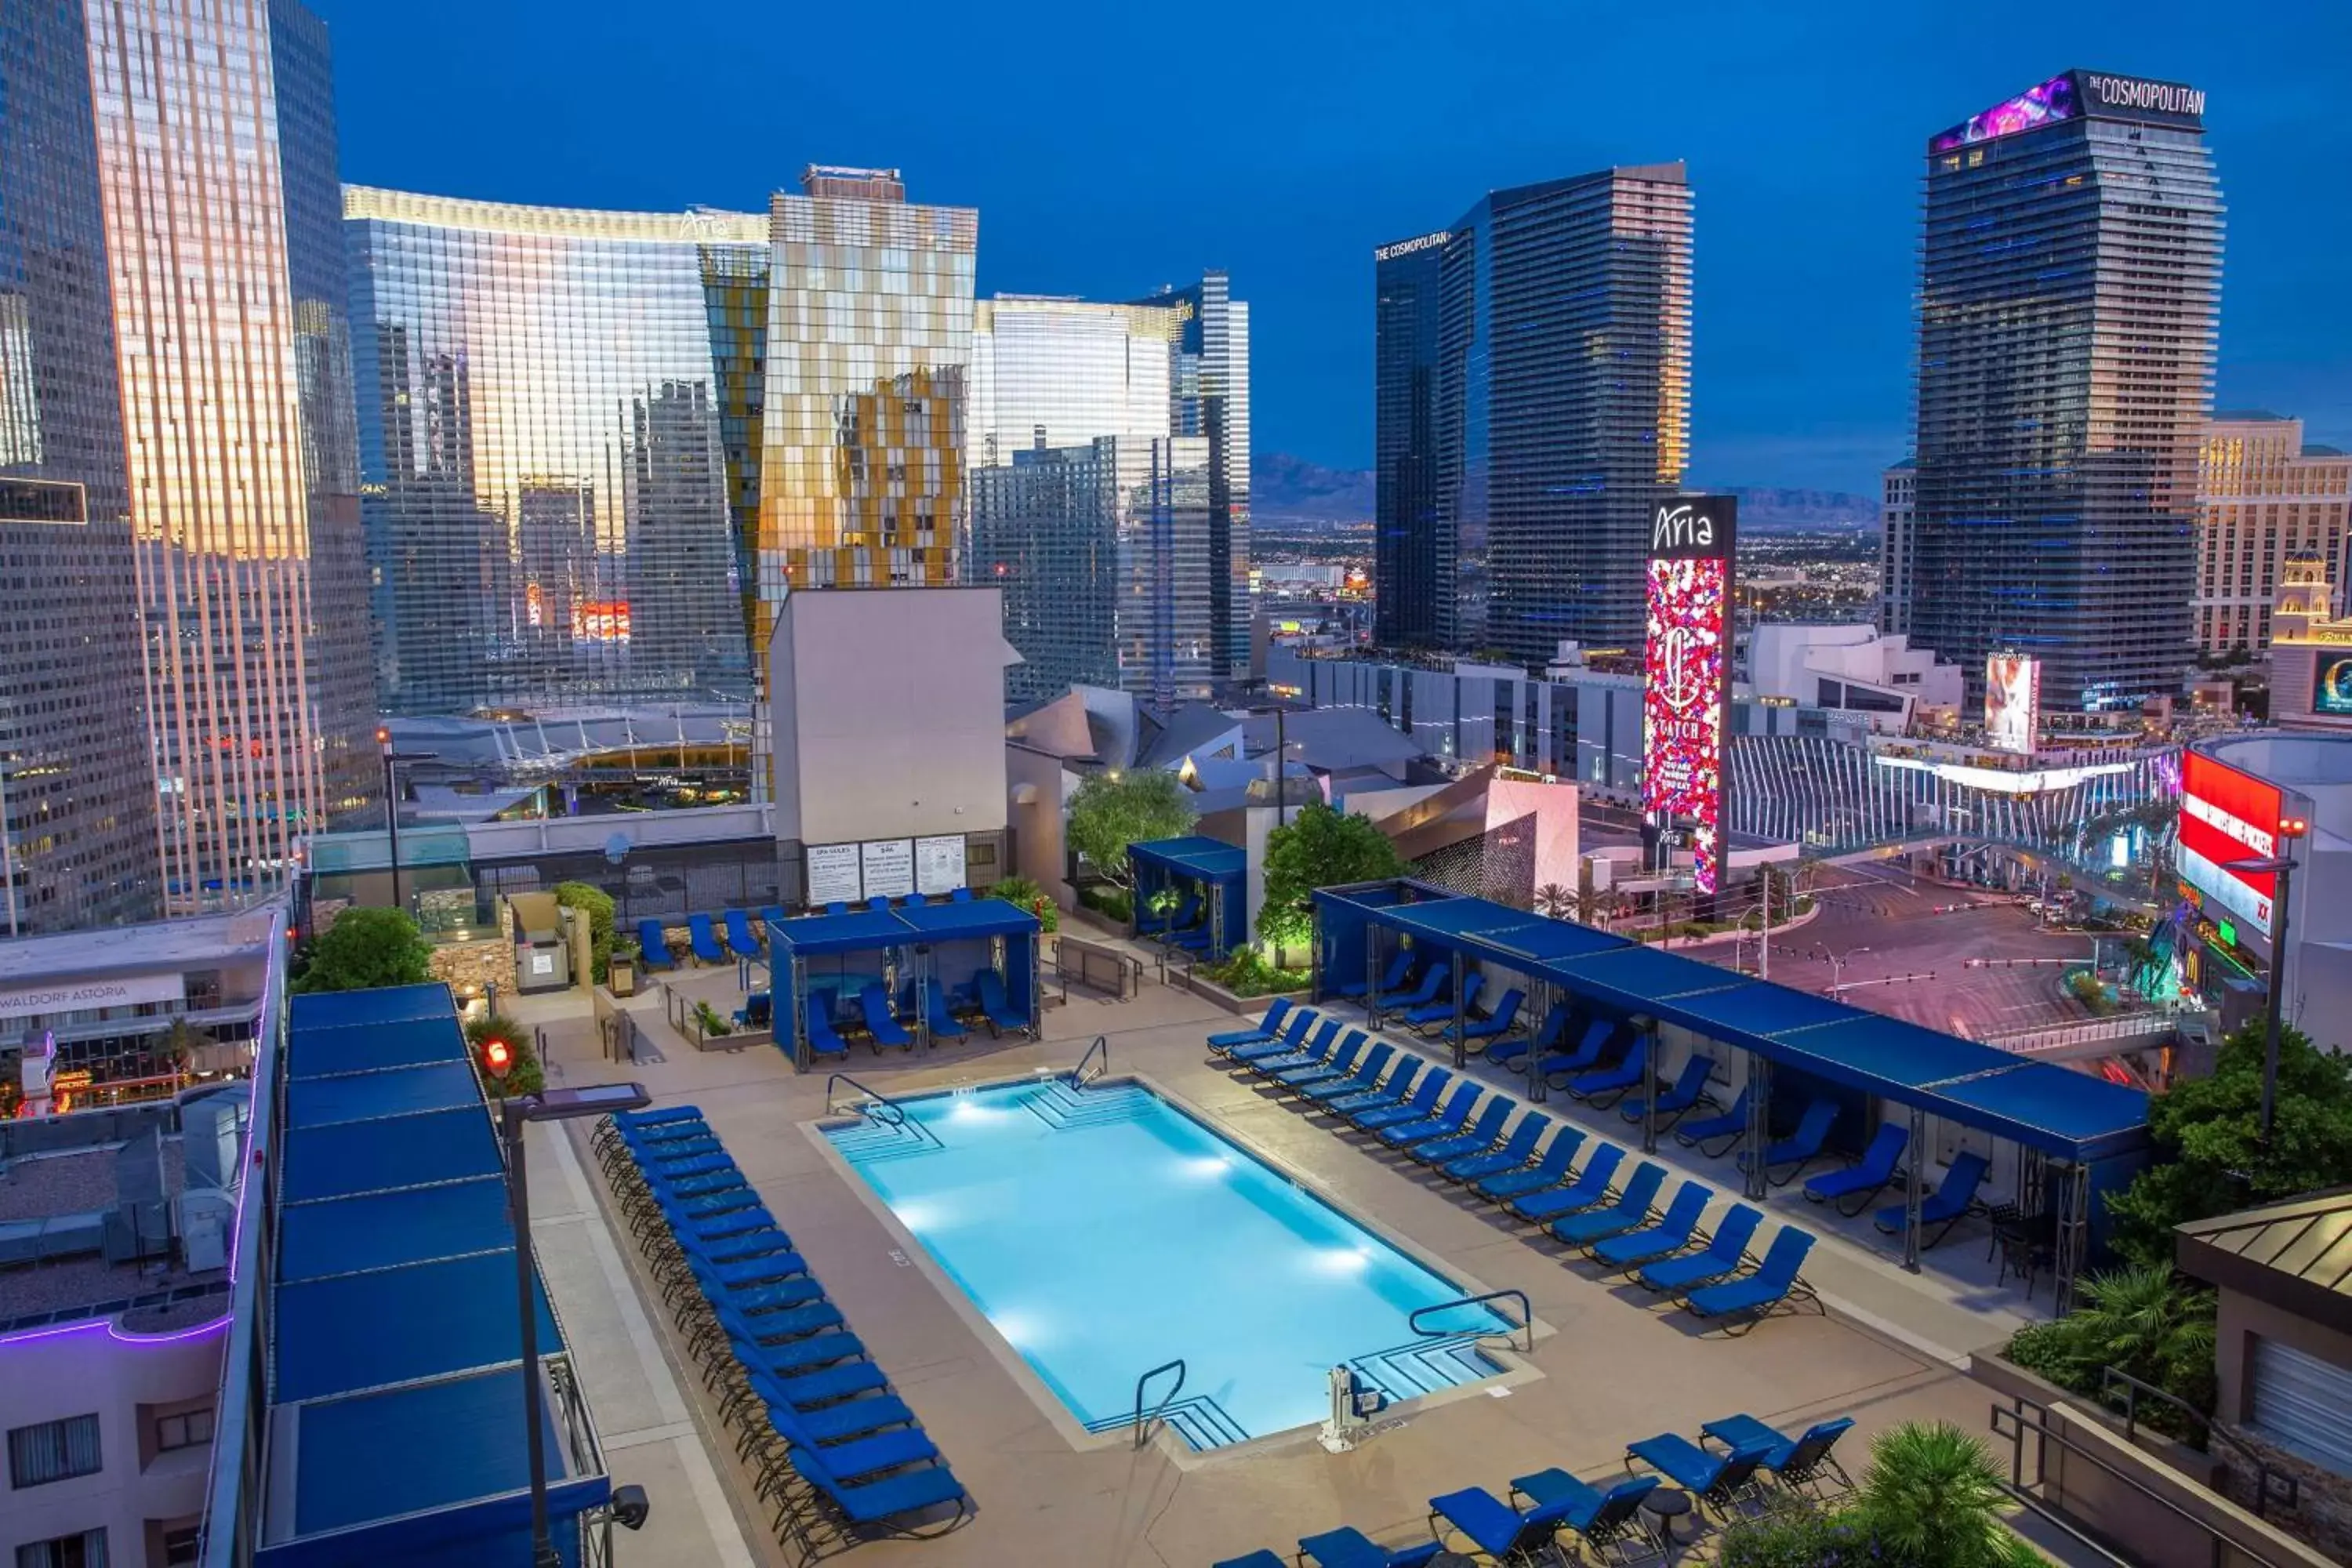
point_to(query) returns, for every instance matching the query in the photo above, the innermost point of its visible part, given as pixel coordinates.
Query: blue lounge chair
(1516, 1152)
(1750, 1298)
(1399, 967)
(1689, 1088)
(654, 946)
(1337, 1065)
(757, 1011)
(874, 1006)
(1498, 1022)
(1720, 1481)
(771, 913)
(925, 1000)
(1268, 1026)
(1730, 1126)
(1477, 1137)
(740, 935)
(1558, 1067)
(1720, 1257)
(1604, 1519)
(1445, 1122)
(1358, 1080)
(878, 1502)
(823, 1038)
(1800, 1148)
(1628, 1209)
(837, 907)
(1549, 1172)
(1411, 1108)
(1590, 1189)
(1867, 1177)
(1433, 979)
(704, 940)
(959, 896)
(1674, 1231)
(1346, 1548)
(878, 905)
(1554, 1027)
(1315, 1048)
(1797, 1461)
(1947, 1206)
(1509, 1538)
(1441, 1009)
(995, 1006)
(1261, 1558)
(1292, 1041)
(1604, 1087)
(1394, 1090)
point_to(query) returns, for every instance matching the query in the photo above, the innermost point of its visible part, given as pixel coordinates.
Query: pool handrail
(1526, 1315)
(1078, 1078)
(1143, 1423)
(873, 1097)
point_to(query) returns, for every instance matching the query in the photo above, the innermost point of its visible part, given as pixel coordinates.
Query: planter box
(2011, 1380)
(1202, 985)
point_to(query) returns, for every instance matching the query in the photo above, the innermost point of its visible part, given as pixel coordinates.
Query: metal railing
(1101, 1048)
(2289, 1495)
(1143, 1423)
(1525, 1325)
(1080, 961)
(868, 1107)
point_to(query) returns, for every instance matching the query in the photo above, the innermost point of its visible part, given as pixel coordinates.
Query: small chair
(995, 1006)
(1632, 1247)
(1399, 967)
(874, 1008)
(1796, 1461)
(1740, 1304)
(1549, 1172)
(1867, 1177)
(1440, 1011)
(1609, 1521)
(1688, 1090)
(1510, 1538)
(652, 943)
(1474, 1034)
(1730, 1126)
(1800, 1148)
(1947, 1206)
(1718, 1259)
(823, 1038)
(1514, 1153)
(1555, 1027)
(740, 935)
(1723, 1481)
(926, 1000)
(1613, 1083)
(1346, 1548)
(1478, 1136)
(1267, 1026)
(1590, 1190)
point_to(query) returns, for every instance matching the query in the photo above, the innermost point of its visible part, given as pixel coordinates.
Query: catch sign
(1687, 672)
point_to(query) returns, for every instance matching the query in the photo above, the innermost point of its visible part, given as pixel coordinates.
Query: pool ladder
(1200, 1421)
(1078, 1078)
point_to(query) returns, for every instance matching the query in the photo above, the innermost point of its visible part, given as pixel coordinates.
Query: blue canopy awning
(857, 931)
(365, 1096)
(389, 1004)
(363, 1047)
(1195, 855)
(973, 920)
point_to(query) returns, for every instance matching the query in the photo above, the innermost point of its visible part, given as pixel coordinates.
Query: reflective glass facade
(2069, 281)
(553, 449)
(1087, 511)
(1209, 397)
(1524, 448)
(77, 796)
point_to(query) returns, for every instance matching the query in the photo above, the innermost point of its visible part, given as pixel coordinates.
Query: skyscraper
(2263, 497)
(2068, 283)
(1561, 381)
(1209, 397)
(543, 431)
(182, 191)
(1897, 504)
(1087, 509)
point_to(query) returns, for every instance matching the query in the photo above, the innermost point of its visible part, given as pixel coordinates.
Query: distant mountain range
(1287, 489)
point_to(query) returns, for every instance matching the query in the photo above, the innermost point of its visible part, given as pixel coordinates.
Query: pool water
(1104, 1232)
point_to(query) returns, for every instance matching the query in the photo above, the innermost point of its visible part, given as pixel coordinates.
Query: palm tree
(2145, 1323)
(1554, 901)
(1932, 1497)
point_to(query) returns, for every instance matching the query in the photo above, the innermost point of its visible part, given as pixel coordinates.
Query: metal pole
(8, 850)
(1461, 1025)
(1653, 1077)
(1764, 959)
(2276, 1002)
(1914, 1180)
(542, 1549)
(392, 828)
(1281, 783)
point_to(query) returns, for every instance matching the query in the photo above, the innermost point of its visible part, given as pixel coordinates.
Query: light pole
(392, 799)
(2290, 828)
(1837, 963)
(548, 1105)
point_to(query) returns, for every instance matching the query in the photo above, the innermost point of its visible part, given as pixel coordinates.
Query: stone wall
(2323, 1511)
(470, 967)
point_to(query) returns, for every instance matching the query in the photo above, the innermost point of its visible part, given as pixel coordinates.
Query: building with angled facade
(1209, 398)
(2069, 280)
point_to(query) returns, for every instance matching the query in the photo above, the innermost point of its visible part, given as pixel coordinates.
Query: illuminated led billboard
(2331, 685)
(2226, 815)
(2012, 702)
(1687, 672)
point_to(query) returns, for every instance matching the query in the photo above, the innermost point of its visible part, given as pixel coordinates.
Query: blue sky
(1112, 147)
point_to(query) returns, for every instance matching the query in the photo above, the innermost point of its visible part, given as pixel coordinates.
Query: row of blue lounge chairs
(1722, 1472)
(837, 1453)
(869, 1011)
(731, 935)
(1465, 1132)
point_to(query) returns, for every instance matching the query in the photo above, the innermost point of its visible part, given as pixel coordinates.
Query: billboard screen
(2012, 702)
(601, 620)
(2226, 815)
(1687, 672)
(2331, 685)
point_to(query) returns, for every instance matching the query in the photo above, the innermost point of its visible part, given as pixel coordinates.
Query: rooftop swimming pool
(1104, 1232)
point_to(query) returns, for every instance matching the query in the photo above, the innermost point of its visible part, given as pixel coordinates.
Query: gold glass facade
(2262, 499)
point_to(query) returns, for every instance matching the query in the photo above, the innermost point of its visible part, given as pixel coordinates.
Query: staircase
(1200, 1421)
(1425, 1367)
(1062, 1108)
(875, 1139)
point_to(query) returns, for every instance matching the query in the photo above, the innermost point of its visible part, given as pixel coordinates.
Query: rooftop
(200, 939)
(2296, 1255)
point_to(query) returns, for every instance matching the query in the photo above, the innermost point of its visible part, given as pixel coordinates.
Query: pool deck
(1617, 1368)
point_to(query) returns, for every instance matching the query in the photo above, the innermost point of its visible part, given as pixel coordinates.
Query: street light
(392, 798)
(548, 1105)
(1837, 963)
(2290, 828)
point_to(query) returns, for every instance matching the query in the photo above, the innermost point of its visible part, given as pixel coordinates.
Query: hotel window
(185, 1430)
(87, 1550)
(181, 1546)
(53, 1451)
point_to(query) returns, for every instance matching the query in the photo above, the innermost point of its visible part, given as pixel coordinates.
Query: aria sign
(1687, 672)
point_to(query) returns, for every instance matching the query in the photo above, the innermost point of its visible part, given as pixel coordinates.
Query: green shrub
(2141, 1321)
(1245, 972)
(365, 949)
(2091, 991)
(598, 905)
(1021, 891)
(526, 1076)
(1111, 903)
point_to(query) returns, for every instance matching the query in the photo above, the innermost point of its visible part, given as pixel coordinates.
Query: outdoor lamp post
(548, 1105)
(1837, 963)
(2290, 828)
(392, 799)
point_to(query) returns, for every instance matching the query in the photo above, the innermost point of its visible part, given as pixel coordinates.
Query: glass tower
(2069, 280)
(1559, 410)
(544, 432)
(1209, 397)
(1087, 509)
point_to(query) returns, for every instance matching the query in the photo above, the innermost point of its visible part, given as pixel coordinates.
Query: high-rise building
(1088, 510)
(544, 429)
(1560, 386)
(2263, 497)
(1209, 397)
(170, 240)
(1898, 506)
(2069, 280)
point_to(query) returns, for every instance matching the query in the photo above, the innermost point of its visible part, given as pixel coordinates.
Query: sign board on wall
(2331, 685)
(939, 864)
(890, 867)
(2226, 815)
(2012, 702)
(84, 996)
(1687, 672)
(833, 875)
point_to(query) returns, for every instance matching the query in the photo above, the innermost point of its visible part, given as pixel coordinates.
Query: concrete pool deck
(1617, 1368)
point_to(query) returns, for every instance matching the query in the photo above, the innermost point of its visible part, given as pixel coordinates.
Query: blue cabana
(1209, 870)
(950, 944)
(955, 942)
(831, 958)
